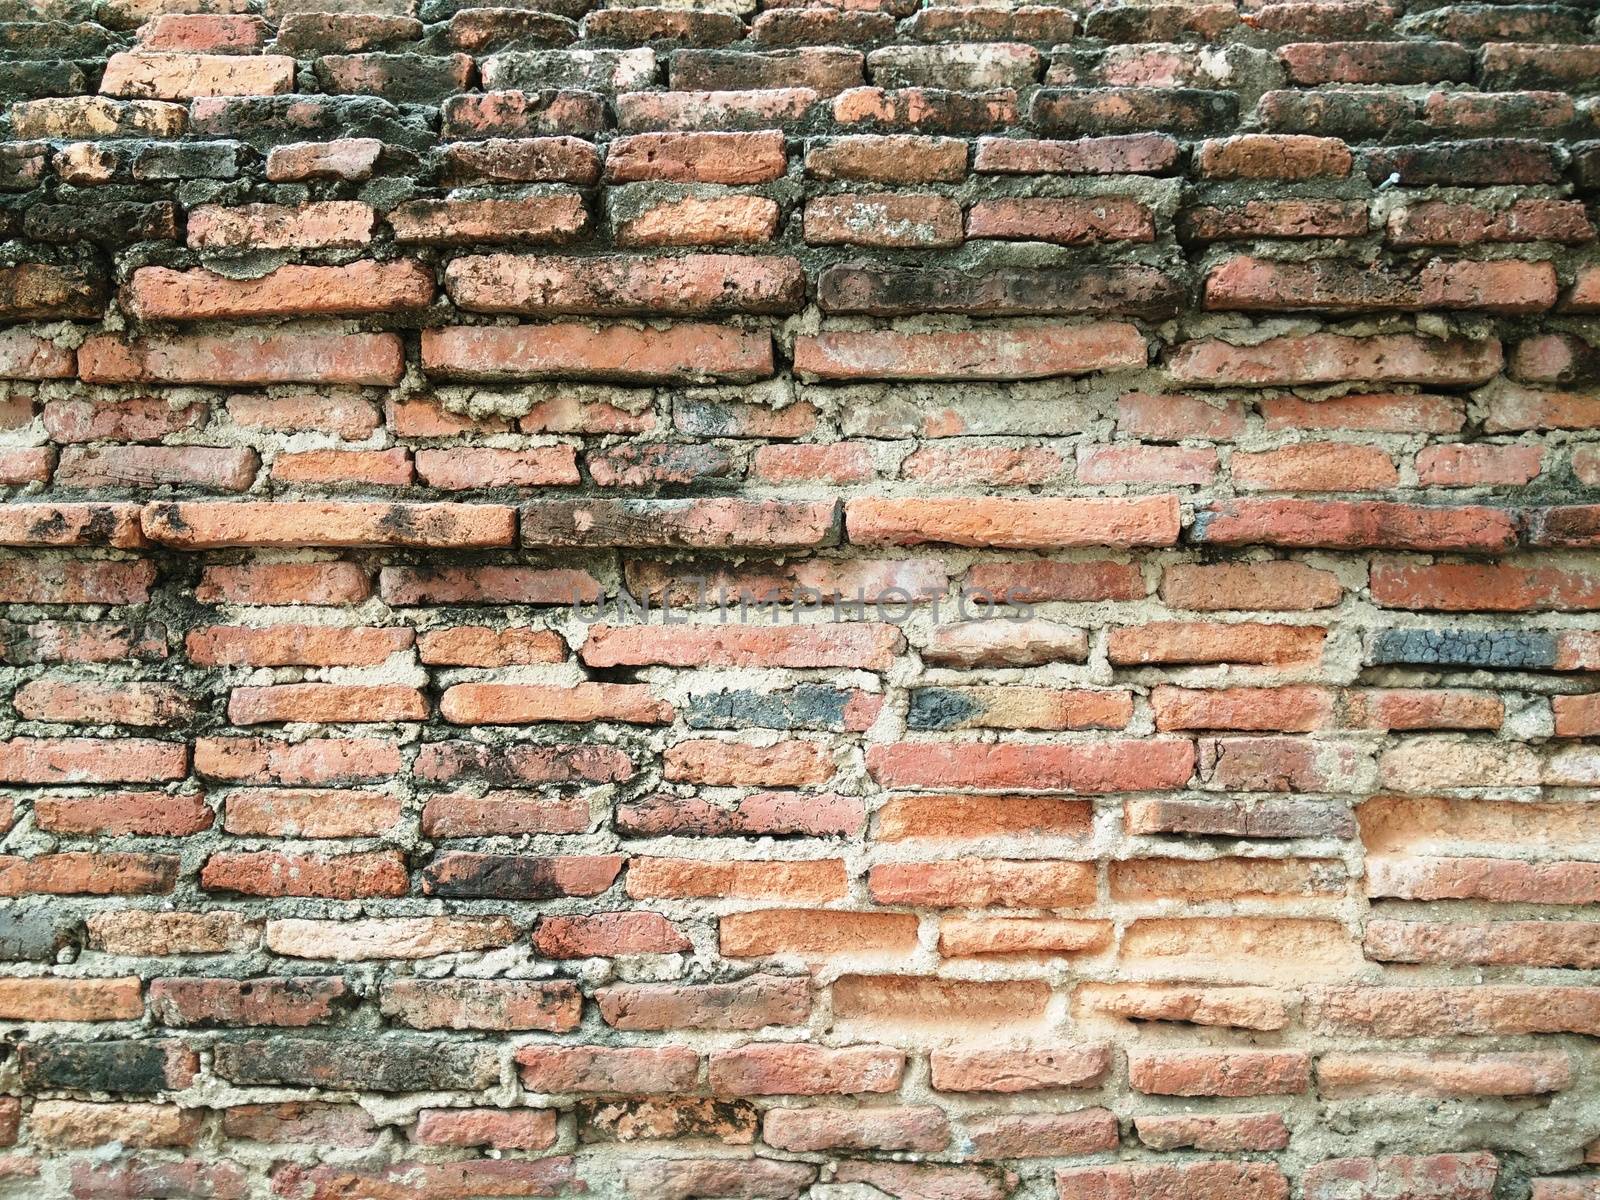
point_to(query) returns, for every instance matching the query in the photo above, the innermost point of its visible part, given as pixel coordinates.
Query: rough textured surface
(799, 599)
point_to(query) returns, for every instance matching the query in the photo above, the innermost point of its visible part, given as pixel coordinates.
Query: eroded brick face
(799, 599)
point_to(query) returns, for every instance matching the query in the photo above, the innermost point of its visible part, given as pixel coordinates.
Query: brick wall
(356, 356)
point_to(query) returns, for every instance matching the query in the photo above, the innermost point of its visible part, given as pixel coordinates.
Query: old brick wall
(346, 346)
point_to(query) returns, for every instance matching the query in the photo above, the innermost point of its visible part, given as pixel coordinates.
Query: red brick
(1034, 1135)
(1262, 586)
(1422, 708)
(471, 875)
(1221, 1007)
(387, 937)
(85, 642)
(1068, 222)
(310, 813)
(72, 1124)
(341, 416)
(1331, 285)
(733, 158)
(1335, 358)
(500, 1004)
(83, 874)
(1009, 1071)
(1459, 1176)
(1109, 765)
(817, 933)
(734, 219)
(921, 1127)
(1199, 1180)
(325, 703)
(1338, 524)
(522, 704)
(838, 463)
(1475, 587)
(486, 585)
(1290, 709)
(1035, 353)
(563, 1069)
(551, 219)
(91, 760)
(1375, 414)
(797, 1069)
(458, 1180)
(47, 999)
(218, 469)
(869, 646)
(294, 645)
(502, 812)
(927, 110)
(605, 935)
(712, 523)
(85, 117)
(735, 109)
(917, 817)
(1256, 1131)
(140, 932)
(145, 75)
(496, 1128)
(1205, 642)
(754, 1002)
(1478, 465)
(1516, 943)
(1273, 156)
(348, 160)
(325, 225)
(1284, 764)
(1442, 1075)
(333, 876)
(1126, 154)
(893, 158)
(791, 763)
(1023, 524)
(353, 358)
(518, 114)
(984, 883)
(157, 293)
(284, 583)
(883, 220)
(1441, 223)
(300, 1001)
(203, 526)
(1274, 219)
(689, 285)
(1467, 1011)
(1219, 1073)
(1172, 418)
(1315, 467)
(684, 353)
(129, 703)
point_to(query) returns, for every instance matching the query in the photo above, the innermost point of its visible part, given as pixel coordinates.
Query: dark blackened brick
(809, 706)
(116, 223)
(365, 1063)
(518, 876)
(30, 935)
(1045, 291)
(271, 120)
(1354, 116)
(127, 1067)
(36, 80)
(940, 708)
(1073, 112)
(1509, 649)
(189, 160)
(1483, 162)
